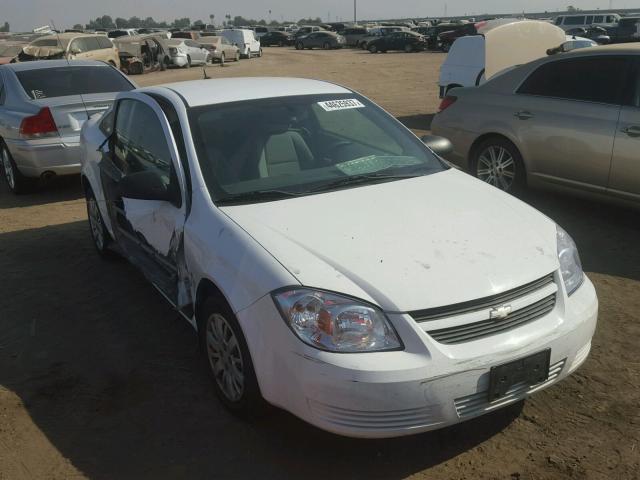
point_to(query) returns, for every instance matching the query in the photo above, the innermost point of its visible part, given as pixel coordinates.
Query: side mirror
(439, 145)
(147, 185)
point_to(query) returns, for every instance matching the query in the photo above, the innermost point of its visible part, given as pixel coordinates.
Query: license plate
(528, 371)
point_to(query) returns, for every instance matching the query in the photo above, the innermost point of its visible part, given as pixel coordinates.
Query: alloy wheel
(497, 167)
(225, 357)
(9, 174)
(95, 222)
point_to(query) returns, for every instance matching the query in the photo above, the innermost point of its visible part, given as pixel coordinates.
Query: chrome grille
(481, 304)
(478, 403)
(485, 328)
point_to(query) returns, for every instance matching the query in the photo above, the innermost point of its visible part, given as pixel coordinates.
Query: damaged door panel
(144, 190)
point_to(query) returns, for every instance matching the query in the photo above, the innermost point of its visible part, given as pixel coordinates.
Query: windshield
(300, 145)
(63, 81)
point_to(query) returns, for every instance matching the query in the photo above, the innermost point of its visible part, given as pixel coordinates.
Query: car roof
(616, 48)
(42, 64)
(207, 92)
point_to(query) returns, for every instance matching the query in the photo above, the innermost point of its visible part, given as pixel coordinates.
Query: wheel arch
(206, 289)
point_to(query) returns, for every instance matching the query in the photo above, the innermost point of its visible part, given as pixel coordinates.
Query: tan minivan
(72, 46)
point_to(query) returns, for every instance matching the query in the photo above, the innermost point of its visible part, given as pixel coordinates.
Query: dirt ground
(99, 378)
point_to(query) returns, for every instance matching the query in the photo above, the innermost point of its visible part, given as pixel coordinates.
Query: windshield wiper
(364, 179)
(255, 197)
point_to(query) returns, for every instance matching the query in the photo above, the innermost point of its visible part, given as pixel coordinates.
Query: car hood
(407, 245)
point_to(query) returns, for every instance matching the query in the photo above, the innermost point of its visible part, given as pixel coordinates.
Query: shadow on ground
(112, 377)
(57, 190)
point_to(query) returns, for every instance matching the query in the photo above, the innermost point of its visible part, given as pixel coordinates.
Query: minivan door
(625, 167)
(565, 116)
(149, 231)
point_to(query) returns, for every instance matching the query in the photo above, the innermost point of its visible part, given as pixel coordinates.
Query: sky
(24, 15)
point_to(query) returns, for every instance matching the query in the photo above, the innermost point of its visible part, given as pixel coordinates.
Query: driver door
(149, 231)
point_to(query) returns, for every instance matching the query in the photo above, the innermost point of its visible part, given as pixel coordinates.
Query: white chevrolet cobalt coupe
(331, 263)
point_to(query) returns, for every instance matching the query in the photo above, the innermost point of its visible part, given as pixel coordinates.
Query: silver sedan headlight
(336, 323)
(570, 265)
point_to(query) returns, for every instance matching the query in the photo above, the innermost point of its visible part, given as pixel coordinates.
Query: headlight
(335, 323)
(570, 265)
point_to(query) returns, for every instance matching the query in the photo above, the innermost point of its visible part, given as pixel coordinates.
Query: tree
(135, 22)
(78, 26)
(5, 27)
(198, 23)
(181, 23)
(572, 9)
(122, 22)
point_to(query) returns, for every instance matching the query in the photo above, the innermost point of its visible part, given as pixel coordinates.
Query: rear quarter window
(597, 79)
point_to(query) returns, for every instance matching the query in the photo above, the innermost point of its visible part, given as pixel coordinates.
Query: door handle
(632, 131)
(523, 115)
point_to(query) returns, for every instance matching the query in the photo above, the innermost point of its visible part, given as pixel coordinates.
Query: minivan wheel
(227, 358)
(16, 182)
(373, 49)
(188, 65)
(299, 46)
(498, 162)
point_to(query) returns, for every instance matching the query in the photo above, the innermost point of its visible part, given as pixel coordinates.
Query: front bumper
(425, 387)
(60, 155)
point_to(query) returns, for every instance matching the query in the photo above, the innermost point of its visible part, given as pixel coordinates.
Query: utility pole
(445, 10)
(355, 10)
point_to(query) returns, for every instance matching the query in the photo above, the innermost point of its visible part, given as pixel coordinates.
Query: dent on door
(159, 225)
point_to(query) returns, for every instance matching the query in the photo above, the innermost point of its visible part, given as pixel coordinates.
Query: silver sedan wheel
(95, 222)
(225, 357)
(497, 167)
(8, 169)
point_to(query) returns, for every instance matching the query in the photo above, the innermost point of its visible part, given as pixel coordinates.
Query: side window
(589, 20)
(140, 143)
(592, 79)
(597, 19)
(77, 46)
(574, 20)
(559, 20)
(106, 124)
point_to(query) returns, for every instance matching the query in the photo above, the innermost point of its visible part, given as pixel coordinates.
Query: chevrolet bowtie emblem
(500, 313)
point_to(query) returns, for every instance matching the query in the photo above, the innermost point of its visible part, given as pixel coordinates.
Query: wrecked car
(142, 54)
(9, 51)
(448, 300)
(71, 46)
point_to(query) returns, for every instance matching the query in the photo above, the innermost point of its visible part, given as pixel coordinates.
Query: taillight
(39, 125)
(447, 102)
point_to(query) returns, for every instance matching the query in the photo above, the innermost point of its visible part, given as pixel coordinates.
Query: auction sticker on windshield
(346, 104)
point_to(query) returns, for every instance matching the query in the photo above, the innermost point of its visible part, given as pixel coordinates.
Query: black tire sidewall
(21, 183)
(251, 404)
(105, 251)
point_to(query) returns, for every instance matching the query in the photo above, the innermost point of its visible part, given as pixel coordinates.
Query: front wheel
(188, 65)
(222, 58)
(498, 162)
(237, 57)
(445, 47)
(99, 233)
(408, 48)
(228, 361)
(260, 53)
(299, 46)
(326, 46)
(373, 49)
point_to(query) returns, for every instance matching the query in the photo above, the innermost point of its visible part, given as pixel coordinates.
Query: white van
(245, 40)
(474, 59)
(567, 22)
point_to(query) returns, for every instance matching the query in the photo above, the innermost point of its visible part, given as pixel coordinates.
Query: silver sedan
(569, 122)
(43, 105)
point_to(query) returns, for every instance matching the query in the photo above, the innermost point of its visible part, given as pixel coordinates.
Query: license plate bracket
(530, 370)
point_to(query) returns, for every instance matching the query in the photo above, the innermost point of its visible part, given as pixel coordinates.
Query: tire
(227, 359)
(163, 64)
(498, 162)
(249, 54)
(281, 43)
(408, 48)
(260, 53)
(188, 65)
(223, 58)
(326, 46)
(99, 233)
(16, 182)
(299, 46)
(373, 49)
(445, 47)
(237, 57)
